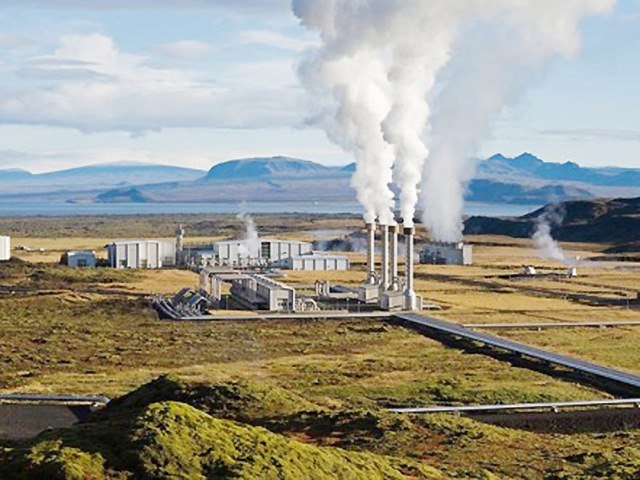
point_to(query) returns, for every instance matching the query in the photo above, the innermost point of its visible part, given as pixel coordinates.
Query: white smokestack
(371, 253)
(409, 292)
(393, 280)
(384, 274)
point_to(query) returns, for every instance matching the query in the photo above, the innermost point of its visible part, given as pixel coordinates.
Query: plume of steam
(503, 50)
(250, 247)
(350, 68)
(398, 69)
(545, 244)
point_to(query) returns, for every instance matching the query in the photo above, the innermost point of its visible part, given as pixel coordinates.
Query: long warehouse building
(142, 254)
(240, 252)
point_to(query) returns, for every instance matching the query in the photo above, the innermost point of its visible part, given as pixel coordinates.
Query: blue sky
(195, 82)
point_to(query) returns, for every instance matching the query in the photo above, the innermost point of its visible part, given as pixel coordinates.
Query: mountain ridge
(524, 179)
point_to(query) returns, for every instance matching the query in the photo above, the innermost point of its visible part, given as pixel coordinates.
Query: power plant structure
(447, 253)
(386, 287)
(5, 248)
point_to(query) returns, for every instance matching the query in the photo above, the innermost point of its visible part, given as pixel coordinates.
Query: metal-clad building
(5, 249)
(141, 254)
(316, 262)
(261, 293)
(239, 252)
(79, 259)
(445, 253)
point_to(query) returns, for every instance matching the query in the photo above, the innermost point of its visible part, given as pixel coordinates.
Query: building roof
(317, 256)
(270, 240)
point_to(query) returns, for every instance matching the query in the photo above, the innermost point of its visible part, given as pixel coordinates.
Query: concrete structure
(238, 252)
(179, 245)
(5, 249)
(386, 288)
(445, 253)
(411, 300)
(141, 254)
(251, 290)
(370, 291)
(79, 259)
(258, 292)
(315, 262)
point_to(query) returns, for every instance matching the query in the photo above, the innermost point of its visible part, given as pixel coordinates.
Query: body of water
(30, 209)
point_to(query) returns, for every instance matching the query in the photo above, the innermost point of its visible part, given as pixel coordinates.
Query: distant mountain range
(525, 179)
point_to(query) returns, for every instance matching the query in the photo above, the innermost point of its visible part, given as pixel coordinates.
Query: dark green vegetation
(154, 437)
(239, 429)
(608, 221)
(138, 226)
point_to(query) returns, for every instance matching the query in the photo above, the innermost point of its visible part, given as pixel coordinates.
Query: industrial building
(446, 253)
(142, 254)
(315, 262)
(268, 251)
(5, 248)
(261, 293)
(251, 290)
(79, 259)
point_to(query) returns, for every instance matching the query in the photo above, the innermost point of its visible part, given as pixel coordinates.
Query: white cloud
(188, 50)
(89, 84)
(234, 5)
(11, 41)
(275, 40)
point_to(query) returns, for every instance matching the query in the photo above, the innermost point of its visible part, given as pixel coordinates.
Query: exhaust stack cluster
(385, 286)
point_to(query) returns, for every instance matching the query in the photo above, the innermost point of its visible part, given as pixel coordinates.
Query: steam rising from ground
(250, 247)
(402, 71)
(543, 241)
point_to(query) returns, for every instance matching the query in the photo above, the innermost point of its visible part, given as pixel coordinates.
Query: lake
(23, 209)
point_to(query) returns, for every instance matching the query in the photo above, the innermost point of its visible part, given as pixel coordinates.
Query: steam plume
(543, 241)
(501, 53)
(398, 69)
(250, 247)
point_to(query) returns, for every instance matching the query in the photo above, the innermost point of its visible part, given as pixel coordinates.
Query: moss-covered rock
(621, 464)
(234, 400)
(53, 460)
(169, 440)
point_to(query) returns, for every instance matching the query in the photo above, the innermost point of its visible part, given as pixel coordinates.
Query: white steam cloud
(402, 71)
(250, 247)
(545, 244)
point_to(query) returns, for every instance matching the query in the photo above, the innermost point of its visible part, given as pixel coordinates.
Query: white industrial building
(79, 259)
(243, 252)
(142, 254)
(445, 253)
(258, 292)
(315, 262)
(5, 249)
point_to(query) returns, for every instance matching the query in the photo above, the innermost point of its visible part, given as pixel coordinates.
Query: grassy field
(91, 332)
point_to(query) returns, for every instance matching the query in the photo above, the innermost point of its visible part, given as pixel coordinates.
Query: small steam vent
(447, 253)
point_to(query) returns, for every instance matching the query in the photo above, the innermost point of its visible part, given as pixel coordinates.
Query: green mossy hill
(243, 401)
(170, 440)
